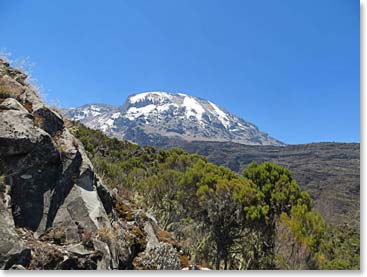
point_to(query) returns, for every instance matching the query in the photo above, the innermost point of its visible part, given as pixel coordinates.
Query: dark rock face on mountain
(55, 213)
(330, 172)
(149, 117)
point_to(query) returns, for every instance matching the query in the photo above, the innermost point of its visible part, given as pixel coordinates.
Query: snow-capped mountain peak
(147, 103)
(169, 115)
(153, 96)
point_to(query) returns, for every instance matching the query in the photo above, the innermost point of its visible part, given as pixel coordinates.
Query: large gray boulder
(50, 178)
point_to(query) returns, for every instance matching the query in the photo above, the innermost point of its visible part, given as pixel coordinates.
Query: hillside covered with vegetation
(259, 219)
(328, 171)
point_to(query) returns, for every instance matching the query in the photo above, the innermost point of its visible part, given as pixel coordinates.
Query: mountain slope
(147, 118)
(328, 171)
(184, 192)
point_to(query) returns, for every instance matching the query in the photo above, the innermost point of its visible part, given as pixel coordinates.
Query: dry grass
(106, 235)
(166, 237)
(124, 212)
(28, 106)
(38, 120)
(184, 261)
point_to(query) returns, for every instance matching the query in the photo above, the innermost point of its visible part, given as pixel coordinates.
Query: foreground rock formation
(55, 213)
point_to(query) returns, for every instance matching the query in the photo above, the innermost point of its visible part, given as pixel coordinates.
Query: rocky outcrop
(158, 255)
(55, 212)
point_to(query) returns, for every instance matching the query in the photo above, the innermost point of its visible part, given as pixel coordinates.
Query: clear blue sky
(290, 67)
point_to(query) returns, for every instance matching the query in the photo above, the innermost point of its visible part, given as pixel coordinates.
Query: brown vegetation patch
(124, 211)
(184, 261)
(38, 120)
(28, 106)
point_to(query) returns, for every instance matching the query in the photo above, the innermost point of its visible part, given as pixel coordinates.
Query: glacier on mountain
(149, 116)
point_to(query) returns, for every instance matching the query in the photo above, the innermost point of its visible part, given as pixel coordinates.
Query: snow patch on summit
(152, 96)
(116, 115)
(193, 108)
(133, 112)
(221, 115)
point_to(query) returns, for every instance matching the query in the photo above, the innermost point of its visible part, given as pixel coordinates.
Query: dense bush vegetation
(258, 220)
(329, 172)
